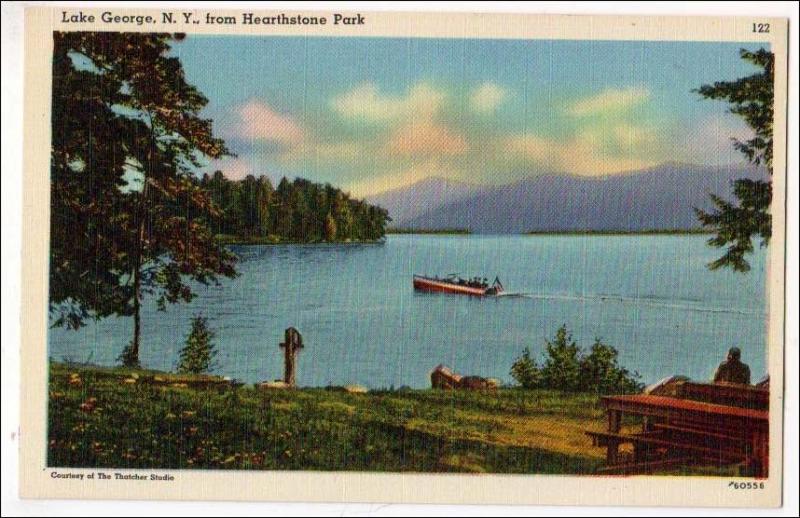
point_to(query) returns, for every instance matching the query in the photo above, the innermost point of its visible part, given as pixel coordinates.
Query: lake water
(651, 297)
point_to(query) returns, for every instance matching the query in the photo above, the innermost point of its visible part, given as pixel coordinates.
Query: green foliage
(568, 368)
(127, 218)
(330, 228)
(296, 211)
(601, 372)
(197, 355)
(562, 367)
(735, 224)
(525, 371)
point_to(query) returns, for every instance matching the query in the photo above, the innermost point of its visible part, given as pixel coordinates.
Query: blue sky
(370, 114)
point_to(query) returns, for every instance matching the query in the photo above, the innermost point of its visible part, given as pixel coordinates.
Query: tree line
(294, 211)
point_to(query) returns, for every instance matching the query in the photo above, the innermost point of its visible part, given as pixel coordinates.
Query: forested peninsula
(253, 211)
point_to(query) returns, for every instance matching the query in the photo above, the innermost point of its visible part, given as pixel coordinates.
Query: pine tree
(525, 371)
(561, 370)
(197, 355)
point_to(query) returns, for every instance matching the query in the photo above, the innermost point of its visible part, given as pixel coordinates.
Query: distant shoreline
(645, 232)
(272, 241)
(454, 231)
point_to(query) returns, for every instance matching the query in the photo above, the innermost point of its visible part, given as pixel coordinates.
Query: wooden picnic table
(692, 427)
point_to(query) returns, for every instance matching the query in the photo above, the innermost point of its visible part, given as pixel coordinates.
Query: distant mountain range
(659, 198)
(406, 203)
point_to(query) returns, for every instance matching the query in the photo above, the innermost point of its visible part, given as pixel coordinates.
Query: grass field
(119, 418)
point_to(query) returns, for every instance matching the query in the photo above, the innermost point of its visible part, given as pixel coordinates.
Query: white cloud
(614, 144)
(411, 135)
(487, 97)
(632, 136)
(584, 155)
(612, 101)
(258, 121)
(426, 138)
(367, 103)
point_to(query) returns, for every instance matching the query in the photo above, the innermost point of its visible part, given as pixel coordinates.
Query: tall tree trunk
(137, 317)
(132, 358)
(133, 354)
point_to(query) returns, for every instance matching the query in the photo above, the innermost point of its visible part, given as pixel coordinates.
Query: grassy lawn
(117, 418)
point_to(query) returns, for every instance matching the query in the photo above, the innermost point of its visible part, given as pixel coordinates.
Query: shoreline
(423, 231)
(270, 242)
(653, 232)
(265, 241)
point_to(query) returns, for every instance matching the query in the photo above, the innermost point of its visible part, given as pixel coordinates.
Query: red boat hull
(438, 286)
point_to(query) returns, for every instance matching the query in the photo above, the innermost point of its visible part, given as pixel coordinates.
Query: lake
(650, 296)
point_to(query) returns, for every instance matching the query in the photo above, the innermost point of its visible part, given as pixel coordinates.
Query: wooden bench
(675, 428)
(703, 433)
(648, 444)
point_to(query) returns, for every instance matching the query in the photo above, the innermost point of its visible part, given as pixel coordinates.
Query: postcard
(403, 257)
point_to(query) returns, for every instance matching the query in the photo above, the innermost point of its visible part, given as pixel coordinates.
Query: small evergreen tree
(198, 353)
(562, 368)
(525, 371)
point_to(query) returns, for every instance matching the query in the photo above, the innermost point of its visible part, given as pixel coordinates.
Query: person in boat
(732, 370)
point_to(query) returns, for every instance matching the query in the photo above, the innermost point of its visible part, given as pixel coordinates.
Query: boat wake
(684, 304)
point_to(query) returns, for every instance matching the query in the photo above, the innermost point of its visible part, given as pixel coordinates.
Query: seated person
(732, 370)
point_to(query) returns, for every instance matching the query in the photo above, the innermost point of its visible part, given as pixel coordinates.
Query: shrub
(568, 368)
(601, 372)
(562, 368)
(525, 371)
(199, 351)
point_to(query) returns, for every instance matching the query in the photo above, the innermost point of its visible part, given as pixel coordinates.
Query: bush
(567, 368)
(199, 351)
(525, 371)
(562, 368)
(601, 373)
